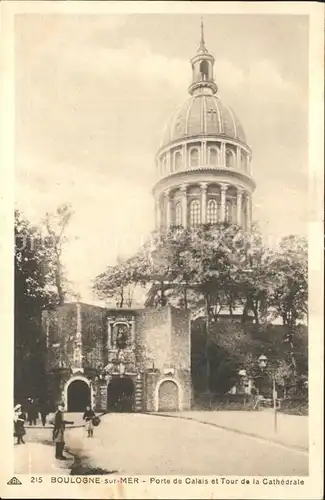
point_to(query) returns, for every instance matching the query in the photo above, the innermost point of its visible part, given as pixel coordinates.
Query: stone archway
(120, 395)
(78, 395)
(168, 396)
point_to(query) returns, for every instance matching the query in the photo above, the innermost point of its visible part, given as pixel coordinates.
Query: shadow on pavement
(80, 467)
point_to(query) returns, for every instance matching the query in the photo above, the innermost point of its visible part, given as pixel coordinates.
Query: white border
(313, 484)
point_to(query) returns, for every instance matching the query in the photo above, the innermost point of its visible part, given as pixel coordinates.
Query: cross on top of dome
(202, 47)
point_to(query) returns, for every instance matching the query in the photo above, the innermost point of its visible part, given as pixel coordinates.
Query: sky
(93, 94)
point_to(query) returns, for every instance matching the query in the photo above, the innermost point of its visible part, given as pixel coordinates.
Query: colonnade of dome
(192, 204)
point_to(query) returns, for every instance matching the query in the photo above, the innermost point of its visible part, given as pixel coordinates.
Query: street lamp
(262, 360)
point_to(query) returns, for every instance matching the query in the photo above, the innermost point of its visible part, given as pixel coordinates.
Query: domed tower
(203, 165)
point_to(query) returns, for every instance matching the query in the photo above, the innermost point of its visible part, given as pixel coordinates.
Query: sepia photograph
(161, 318)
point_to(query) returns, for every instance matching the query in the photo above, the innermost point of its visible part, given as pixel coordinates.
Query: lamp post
(262, 360)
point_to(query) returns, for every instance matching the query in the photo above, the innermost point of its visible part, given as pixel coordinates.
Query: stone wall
(180, 339)
(160, 353)
(94, 335)
(153, 337)
(60, 328)
(165, 339)
(181, 353)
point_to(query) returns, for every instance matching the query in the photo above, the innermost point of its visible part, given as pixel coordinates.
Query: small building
(118, 359)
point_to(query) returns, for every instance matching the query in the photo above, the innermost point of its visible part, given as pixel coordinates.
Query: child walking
(19, 424)
(88, 417)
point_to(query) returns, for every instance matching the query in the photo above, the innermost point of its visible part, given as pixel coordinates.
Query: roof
(203, 114)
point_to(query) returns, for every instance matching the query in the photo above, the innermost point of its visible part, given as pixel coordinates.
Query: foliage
(217, 269)
(34, 291)
(39, 285)
(56, 224)
(289, 268)
(233, 346)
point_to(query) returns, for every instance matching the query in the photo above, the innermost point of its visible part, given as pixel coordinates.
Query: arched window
(244, 162)
(212, 212)
(195, 213)
(229, 211)
(230, 158)
(177, 160)
(213, 156)
(194, 157)
(178, 214)
(204, 70)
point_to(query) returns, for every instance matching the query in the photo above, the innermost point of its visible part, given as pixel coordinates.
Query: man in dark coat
(58, 432)
(32, 412)
(44, 410)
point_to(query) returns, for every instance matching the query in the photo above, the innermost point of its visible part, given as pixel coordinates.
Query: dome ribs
(220, 121)
(233, 119)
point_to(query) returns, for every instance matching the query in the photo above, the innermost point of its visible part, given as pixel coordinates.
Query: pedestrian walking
(19, 424)
(32, 413)
(58, 432)
(88, 416)
(44, 410)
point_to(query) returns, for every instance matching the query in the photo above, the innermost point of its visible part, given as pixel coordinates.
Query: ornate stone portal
(141, 349)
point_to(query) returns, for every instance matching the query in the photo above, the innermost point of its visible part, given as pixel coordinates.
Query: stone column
(223, 154)
(168, 209)
(183, 190)
(204, 152)
(238, 150)
(138, 393)
(132, 324)
(248, 210)
(204, 187)
(77, 351)
(223, 189)
(239, 205)
(184, 150)
(109, 335)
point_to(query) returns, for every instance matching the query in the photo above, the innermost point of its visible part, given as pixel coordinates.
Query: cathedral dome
(203, 114)
(203, 164)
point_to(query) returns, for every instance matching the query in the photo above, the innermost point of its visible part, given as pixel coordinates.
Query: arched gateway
(78, 395)
(168, 396)
(120, 395)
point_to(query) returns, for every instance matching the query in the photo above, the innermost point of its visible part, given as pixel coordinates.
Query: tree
(290, 270)
(34, 291)
(56, 224)
(154, 265)
(289, 300)
(117, 282)
(214, 269)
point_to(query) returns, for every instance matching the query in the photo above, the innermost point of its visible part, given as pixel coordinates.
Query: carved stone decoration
(121, 335)
(120, 332)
